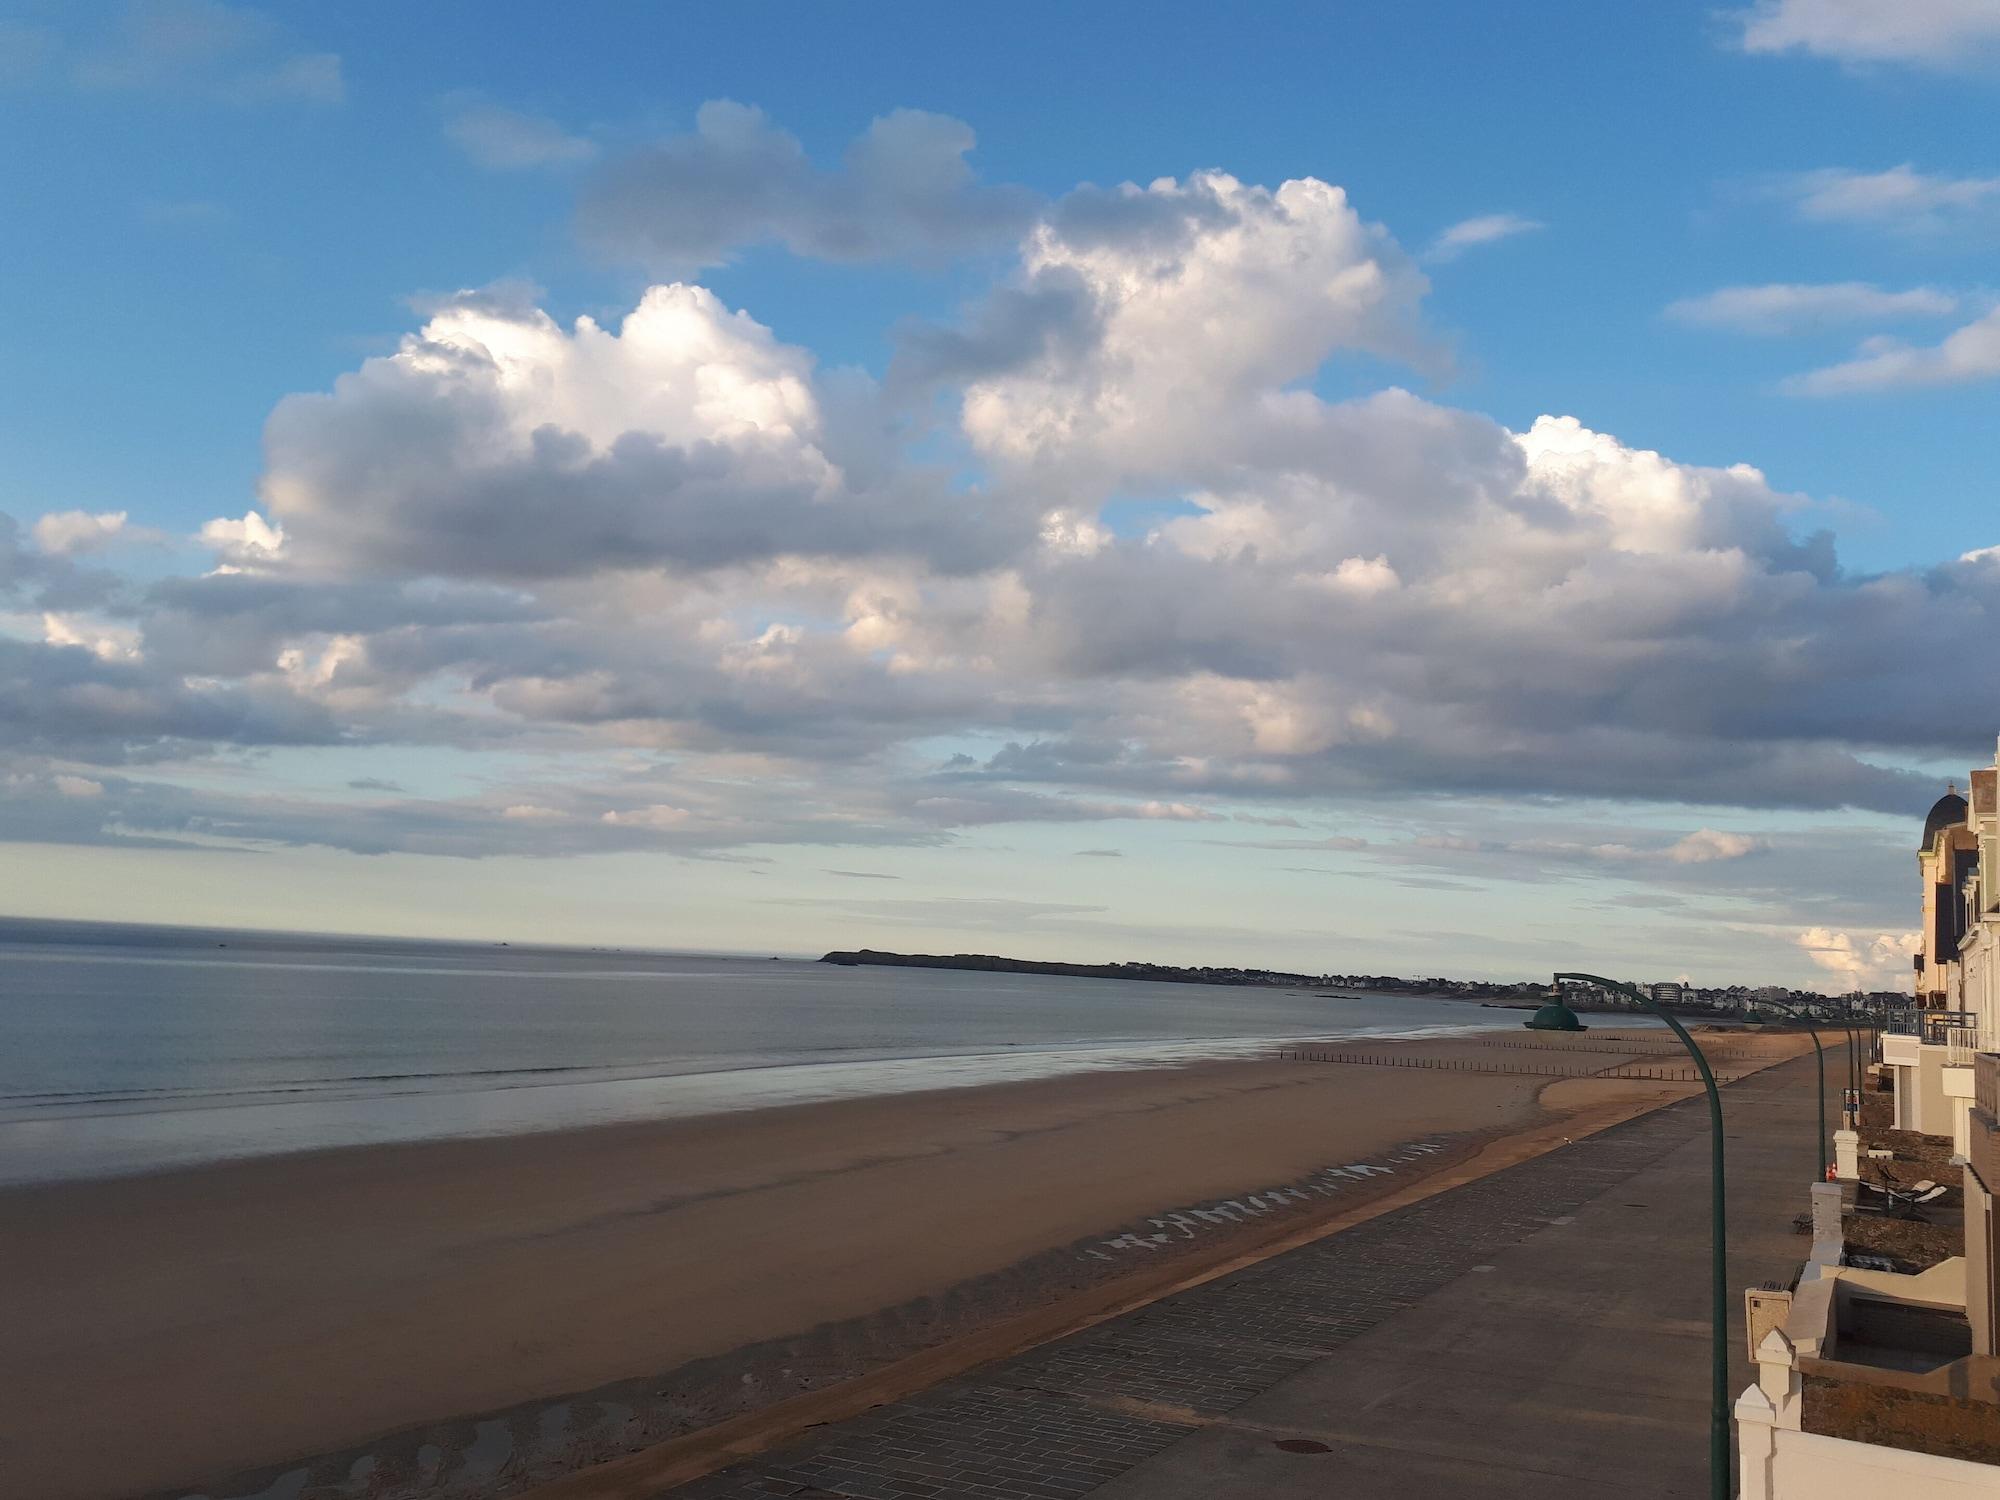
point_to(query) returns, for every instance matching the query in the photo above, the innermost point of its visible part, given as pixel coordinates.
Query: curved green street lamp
(1819, 1054)
(1719, 1485)
(1555, 1016)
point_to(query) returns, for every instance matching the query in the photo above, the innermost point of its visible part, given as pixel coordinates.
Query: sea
(130, 1049)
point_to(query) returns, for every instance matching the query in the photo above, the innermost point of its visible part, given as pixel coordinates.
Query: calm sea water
(136, 1049)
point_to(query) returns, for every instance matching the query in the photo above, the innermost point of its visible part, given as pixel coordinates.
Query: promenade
(1542, 1329)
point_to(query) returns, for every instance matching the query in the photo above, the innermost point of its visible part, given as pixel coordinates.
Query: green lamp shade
(1555, 1016)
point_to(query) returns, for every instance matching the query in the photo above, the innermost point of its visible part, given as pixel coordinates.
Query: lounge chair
(1893, 1201)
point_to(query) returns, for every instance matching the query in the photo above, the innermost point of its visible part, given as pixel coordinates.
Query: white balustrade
(1962, 1043)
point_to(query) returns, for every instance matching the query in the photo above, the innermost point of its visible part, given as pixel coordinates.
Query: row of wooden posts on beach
(1656, 1071)
(1673, 1049)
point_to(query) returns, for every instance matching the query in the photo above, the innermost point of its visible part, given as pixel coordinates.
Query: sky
(1419, 489)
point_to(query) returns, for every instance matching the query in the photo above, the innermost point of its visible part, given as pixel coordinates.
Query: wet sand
(166, 1330)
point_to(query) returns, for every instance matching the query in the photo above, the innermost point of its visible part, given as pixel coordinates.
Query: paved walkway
(1544, 1329)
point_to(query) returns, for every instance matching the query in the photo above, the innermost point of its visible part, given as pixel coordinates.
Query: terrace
(1867, 1379)
(1931, 1053)
(1876, 1371)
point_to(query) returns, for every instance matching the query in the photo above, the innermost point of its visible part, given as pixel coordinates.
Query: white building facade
(1872, 1382)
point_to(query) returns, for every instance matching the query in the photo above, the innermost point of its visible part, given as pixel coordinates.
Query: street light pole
(1860, 1056)
(1819, 1054)
(1860, 1052)
(1719, 1485)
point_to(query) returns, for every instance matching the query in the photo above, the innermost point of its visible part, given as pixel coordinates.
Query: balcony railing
(1963, 1043)
(1928, 1026)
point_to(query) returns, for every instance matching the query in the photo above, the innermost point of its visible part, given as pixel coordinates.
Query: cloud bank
(678, 586)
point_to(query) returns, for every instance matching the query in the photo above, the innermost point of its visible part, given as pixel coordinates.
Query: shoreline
(171, 1135)
(231, 1318)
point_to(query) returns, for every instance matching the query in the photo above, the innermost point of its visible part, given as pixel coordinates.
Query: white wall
(1778, 1464)
(1980, 974)
(1777, 1460)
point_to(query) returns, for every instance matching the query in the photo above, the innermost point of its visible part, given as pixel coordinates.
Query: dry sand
(163, 1330)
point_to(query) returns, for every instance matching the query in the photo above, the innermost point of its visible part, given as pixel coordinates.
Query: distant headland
(1468, 989)
(1727, 1000)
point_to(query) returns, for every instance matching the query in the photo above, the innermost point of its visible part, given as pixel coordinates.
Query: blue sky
(216, 207)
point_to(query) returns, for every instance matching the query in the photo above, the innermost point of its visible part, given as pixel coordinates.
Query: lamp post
(1819, 1055)
(1860, 1055)
(1719, 1485)
(1860, 1052)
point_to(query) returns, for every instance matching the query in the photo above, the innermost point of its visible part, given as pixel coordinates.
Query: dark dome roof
(1947, 812)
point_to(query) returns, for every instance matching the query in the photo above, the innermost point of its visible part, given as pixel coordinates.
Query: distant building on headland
(1740, 1000)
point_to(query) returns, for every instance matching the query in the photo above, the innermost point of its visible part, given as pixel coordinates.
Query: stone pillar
(1756, 1445)
(1847, 1155)
(1771, 1405)
(1828, 1236)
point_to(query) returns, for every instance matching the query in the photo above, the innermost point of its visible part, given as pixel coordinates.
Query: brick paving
(1065, 1418)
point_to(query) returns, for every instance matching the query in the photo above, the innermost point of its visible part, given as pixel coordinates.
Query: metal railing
(1928, 1026)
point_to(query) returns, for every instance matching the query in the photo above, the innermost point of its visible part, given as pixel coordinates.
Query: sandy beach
(168, 1330)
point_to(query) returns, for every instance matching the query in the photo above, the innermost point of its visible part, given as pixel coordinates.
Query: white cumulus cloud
(62, 533)
(496, 443)
(1861, 960)
(104, 640)
(243, 543)
(1189, 307)
(1708, 845)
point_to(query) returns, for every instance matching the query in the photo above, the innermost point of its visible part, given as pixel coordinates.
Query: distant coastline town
(1676, 995)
